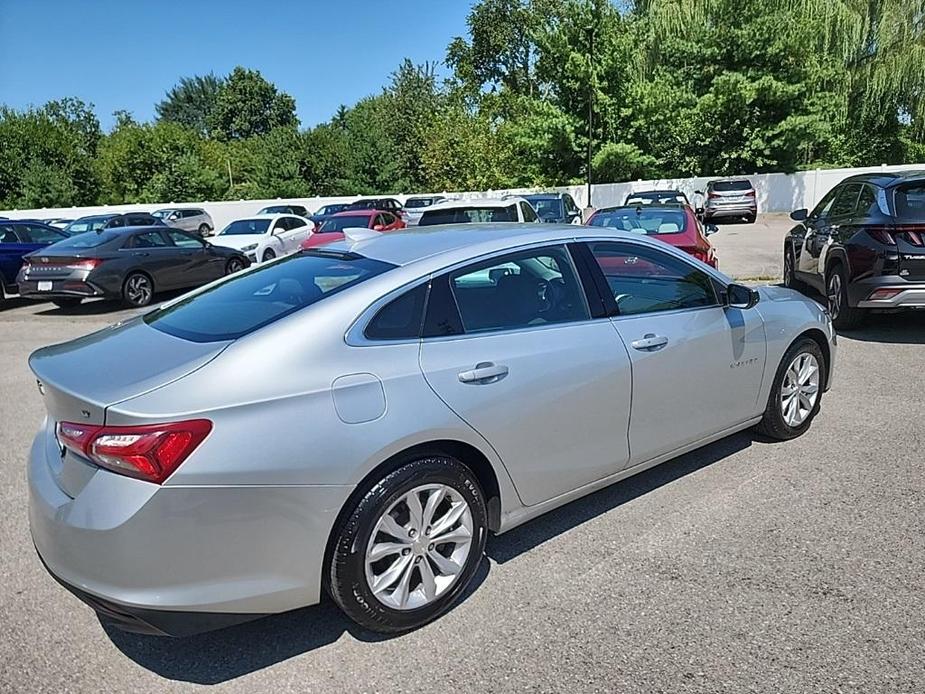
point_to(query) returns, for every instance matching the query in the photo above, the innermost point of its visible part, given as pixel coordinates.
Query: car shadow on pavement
(505, 547)
(223, 655)
(905, 328)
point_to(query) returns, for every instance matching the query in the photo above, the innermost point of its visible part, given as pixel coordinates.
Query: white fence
(777, 192)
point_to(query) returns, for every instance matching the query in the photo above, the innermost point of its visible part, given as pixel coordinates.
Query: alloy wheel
(419, 547)
(235, 265)
(834, 295)
(138, 290)
(800, 389)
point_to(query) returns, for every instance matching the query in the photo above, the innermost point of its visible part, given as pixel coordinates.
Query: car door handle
(140, 254)
(483, 373)
(650, 342)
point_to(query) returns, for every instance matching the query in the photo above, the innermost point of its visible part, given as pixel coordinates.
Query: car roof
(362, 212)
(414, 244)
(664, 205)
(540, 196)
(656, 191)
(886, 179)
(474, 202)
(730, 179)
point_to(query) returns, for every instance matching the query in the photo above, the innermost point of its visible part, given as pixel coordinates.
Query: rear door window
(182, 240)
(252, 300)
(531, 288)
(150, 239)
(39, 234)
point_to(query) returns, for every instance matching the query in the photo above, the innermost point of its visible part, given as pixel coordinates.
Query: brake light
(882, 294)
(912, 233)
(151, 452)
(85, 264)
(883, 234)
(750, 193)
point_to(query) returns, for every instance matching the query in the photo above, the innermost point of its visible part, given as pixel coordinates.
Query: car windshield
(330, 209)
(364, 205)
(731, 186)
(466, 215)
(648, 221)
(90, 239)
(161, 214)
(657, 197)
(547, 208)
(254, 299)
(78, 226)
(345, 222)
(243, 227)
(414, 203)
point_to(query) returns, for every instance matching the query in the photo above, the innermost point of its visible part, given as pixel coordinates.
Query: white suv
(193, 219)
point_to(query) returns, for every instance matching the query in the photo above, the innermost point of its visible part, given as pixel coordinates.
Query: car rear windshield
(466, 215)
(89, 239)
(413, 203)
(341, 223)
(244, 227)
(250, 301)
(909, 201)
(330, 209)
(650, 221)
(730, 186)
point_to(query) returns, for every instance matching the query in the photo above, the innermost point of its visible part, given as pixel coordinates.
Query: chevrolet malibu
(433, 386)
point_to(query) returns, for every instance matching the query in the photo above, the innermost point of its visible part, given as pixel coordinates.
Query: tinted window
(90, 239)
(644, 280)
(414, 203)
(570, 205)
(330, 209)
(79, 226)
(401, 318)
(536, 287)
(909, 201)
(847, 201)
(547, 208)
(642, 220)
(40, 234)
(191, 213)
(255, 299)
(528, 212)
(466, 215)
(115, 222)
(150, 239)
(184, 240)
(347, 221)
(730, 186)
(867, 202)
(7, 235)
(245, 227)
(822, 209)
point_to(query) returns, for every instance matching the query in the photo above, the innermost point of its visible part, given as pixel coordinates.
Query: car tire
(267, 256)
(137, 290)
(790, 279)
(844, 317)
(403, 599)
(750, 219)
(795, 395)
(234, 265)
(204, 230)
(67, 303)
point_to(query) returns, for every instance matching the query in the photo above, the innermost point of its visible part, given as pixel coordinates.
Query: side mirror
(799, 215)
(174, 217)
(710, 229)
(741, 297)
(378, 227)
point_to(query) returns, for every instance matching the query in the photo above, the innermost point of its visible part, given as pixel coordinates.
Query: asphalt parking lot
(744, 566)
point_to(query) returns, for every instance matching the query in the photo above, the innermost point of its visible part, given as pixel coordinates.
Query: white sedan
(264, 237)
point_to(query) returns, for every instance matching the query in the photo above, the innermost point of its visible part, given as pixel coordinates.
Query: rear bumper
(911, 294)
(730, 210)
(177, 560)
(29, 289)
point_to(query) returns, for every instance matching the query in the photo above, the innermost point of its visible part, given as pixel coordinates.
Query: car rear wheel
(234, 265)
(410, 545)
(137, 290)
(203, 229)
(750, 219)
(844, 317)
(796, 392)
(67, 303)
(790, 279)
(268, 255)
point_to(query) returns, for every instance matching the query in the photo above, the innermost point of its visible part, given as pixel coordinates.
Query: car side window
(149, 239)
(182, 240)
(645, 280)
(40, 234)
(570, 206)
(7, 235)
(867, 202)
(846, 202)
(525, 289)
(280, 224)
(116, 222)
(527, 212)
(401, 318)
(821, 211)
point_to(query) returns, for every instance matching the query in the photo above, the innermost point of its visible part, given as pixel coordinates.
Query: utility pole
(590, 30)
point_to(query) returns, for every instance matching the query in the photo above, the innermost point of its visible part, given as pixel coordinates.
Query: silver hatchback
(358, 418)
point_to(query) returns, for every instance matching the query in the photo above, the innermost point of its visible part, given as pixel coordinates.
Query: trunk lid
(909, 229)
(81, 378)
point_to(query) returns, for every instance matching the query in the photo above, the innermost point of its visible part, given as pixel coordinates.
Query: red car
(676, 225)
(332, 229)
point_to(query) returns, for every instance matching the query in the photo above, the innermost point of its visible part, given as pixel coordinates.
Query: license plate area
(45, 286)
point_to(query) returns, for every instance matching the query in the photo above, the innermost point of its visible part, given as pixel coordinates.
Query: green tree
(249, 105)
(190, 102)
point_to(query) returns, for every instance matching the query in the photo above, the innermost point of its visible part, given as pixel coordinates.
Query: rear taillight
(151, 452)
(913, 234)
(883, 294)
(750, 193)
(882, 234)
(85, 264)
(713, 196)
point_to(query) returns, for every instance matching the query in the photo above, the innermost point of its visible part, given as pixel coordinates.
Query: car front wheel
(410, 545)
(796, 392)
(234, 265)
(268, 255)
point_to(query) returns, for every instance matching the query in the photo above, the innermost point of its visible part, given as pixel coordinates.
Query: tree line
(676, 88)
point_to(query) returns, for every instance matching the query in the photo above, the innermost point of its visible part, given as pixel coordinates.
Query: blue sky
(124, 54)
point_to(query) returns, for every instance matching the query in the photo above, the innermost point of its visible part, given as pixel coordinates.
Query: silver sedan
(358, 418)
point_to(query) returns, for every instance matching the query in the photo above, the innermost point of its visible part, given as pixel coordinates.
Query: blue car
(19, 238)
